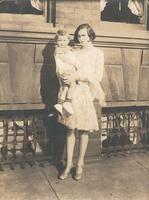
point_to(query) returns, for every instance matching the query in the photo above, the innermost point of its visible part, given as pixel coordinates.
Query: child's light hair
(61, 32)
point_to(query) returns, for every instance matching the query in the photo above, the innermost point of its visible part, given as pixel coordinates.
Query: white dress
(90, 62)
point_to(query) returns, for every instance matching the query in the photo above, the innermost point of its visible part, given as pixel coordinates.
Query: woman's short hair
(89, 29)
(61, 32)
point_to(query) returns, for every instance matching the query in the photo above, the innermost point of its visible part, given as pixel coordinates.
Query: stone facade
(72, 13)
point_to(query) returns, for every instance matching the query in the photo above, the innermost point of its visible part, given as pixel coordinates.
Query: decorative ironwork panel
(125, 131)
(22, 139)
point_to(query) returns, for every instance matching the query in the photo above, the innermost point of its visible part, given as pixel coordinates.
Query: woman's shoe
(65, 173)
(79, 171)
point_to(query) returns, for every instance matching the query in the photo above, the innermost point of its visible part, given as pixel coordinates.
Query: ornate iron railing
(125, 131)
(23, 138)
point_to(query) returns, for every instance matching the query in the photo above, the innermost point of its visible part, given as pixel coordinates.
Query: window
(22, 7)
(147, 17)
(35, 11)
(128, 11)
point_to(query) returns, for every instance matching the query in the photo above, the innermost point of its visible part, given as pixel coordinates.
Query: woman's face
(83, 37)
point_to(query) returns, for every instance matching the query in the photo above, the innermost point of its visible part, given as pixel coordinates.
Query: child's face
(83, 37)
(62, 41)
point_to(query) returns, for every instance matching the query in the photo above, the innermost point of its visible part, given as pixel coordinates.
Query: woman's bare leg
(83, 143)
(70, 142)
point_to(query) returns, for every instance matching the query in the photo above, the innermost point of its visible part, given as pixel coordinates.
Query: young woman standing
(90, 62)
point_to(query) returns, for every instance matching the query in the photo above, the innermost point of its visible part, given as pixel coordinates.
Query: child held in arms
(66, 65)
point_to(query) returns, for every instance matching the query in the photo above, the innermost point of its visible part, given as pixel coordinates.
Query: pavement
(114, 178)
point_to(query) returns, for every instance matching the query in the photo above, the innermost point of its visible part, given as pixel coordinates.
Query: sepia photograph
(74, 100)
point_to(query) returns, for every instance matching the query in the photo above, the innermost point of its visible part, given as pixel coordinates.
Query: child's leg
(70, 92)
(61, 99)
(63, 94)
(67, 105)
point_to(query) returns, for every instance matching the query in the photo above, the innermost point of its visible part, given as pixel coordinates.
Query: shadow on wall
(56, 132)
(48, 79)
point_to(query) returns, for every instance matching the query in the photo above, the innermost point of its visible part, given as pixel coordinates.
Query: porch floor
(115, 178)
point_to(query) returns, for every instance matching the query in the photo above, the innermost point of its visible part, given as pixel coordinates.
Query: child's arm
(69, 58)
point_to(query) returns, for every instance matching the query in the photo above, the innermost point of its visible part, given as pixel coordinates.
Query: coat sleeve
(95, 80)
(95, 85)
(99, 65)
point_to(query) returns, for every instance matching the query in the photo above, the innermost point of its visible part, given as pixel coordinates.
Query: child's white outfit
(65, 66)
(90, 71)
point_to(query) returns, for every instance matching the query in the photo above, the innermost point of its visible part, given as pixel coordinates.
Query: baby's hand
(68, 79)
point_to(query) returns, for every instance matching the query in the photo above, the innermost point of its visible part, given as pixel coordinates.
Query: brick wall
(72, 13)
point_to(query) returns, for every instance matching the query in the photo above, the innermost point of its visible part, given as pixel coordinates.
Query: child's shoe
(68, 107)
(59, 108)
